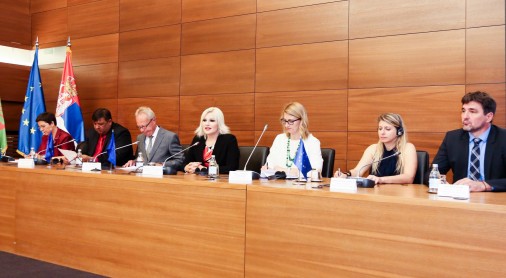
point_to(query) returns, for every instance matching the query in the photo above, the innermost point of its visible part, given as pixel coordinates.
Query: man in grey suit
(156, 143)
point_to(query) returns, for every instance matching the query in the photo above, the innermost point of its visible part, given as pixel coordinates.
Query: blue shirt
(483, 146)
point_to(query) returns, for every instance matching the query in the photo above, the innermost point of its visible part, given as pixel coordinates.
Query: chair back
(257, 160)
(328, 156)
(422, 168)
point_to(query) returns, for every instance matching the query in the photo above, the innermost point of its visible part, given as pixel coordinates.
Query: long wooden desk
(125, 225)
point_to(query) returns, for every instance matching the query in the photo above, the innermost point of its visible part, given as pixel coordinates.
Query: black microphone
(364, 182)
(118, 148)
(244, 174)
(167, 170)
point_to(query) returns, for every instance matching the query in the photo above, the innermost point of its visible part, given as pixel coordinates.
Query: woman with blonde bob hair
(400, 166)
(294, 121)
(214, 138)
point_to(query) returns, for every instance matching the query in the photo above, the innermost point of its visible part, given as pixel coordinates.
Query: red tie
(100, 145)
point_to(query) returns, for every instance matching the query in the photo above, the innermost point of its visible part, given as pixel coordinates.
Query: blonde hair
(400, 143)
(146, 111)
(218, 116)
(297, 110)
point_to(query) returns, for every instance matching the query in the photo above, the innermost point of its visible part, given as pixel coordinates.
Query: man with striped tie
(476, 154)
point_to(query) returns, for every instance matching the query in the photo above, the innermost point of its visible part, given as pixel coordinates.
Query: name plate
(456, 191)
(152, 171)
(27, 163)
(343, 185)
(240, 176)
(91, 167)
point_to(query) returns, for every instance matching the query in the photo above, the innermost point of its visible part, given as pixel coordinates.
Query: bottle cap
(434, 165)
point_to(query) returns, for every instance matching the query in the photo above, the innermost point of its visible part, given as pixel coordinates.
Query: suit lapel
(489, 151)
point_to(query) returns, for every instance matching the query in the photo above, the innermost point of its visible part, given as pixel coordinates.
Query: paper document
(69, 155)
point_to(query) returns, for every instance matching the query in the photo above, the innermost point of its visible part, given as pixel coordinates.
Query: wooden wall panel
(498, 92)
(166, 110)
(268, 108)
(12, 114)
(50, 26)
(194, 10)
(14, 80)
(158, 42)
(150, 13)
(97, 81)
(51, 79)
(411, 60)
(302, 67)
(15, 22)
(420, 107)
(218, 73)
(88, 106)
(105, 19)
(149, 78)
(319, 23)
(79, 2)
(393, 17)
(237, 108)
(269, 5)
(334, 140)
(95, 50)
(485, 12)
(231, 33)
(37, 6)
(485, 55)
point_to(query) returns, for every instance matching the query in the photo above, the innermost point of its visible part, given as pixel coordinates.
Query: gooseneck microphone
(254, 148)
(183, 150)
(57, 146)
(118, 148)
(365, 182)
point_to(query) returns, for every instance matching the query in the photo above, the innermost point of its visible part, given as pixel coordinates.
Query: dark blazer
(122, 137)
(453, 154)
(165, 145)
(226, 152)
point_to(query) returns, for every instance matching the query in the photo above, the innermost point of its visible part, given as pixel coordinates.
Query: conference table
(122, 224)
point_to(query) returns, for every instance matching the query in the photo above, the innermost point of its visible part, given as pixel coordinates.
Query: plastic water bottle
(32, 154)
(139, 162)
(434, 179)
(214, 168)
(79, 158)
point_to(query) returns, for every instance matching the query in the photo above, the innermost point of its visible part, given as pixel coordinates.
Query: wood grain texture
(218, 73)
(149, 78)
(50, 26)
(194, 10)
(51, 79)
(157, 42)
(484, 13)
(95, 50)
(15, 23)
(224, 34)
(105, 19)
(12, 114)
(410, 60)
(306, 233)
(14, 80)
(268, 5)
(97, 81)
(420, 107)
(498, 92)
(316, 66)
(151, 13)
(166, 110)
(269, 106)
(310, 24)
(394, 17)
(7, 212)
(485, 55)
(37, 6)
(237, 108)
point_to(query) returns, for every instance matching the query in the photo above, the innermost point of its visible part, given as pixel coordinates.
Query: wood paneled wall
(346, 61)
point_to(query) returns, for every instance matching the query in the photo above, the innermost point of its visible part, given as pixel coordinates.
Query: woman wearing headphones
(399, 157)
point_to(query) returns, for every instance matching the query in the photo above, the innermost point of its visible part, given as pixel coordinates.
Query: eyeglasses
(289, 122)
(144, 126)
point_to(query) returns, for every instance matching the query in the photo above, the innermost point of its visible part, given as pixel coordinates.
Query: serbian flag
(68, 109)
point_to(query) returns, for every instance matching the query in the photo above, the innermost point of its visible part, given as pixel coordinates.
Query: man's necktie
(150, 146)
(474, 172)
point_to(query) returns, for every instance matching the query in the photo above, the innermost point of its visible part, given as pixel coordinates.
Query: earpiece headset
(400, 129)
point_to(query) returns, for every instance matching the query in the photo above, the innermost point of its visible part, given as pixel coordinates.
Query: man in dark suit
(156, 143)
(476, 153)
(99, 136)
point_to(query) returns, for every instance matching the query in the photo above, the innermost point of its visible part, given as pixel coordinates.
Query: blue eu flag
(29, 133)
(302, 160)
(49, 147)
(111, 150)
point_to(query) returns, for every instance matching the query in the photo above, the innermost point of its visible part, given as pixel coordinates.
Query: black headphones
(400, 129)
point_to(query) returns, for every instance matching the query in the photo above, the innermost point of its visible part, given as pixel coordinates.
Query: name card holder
(456, 191)
(240, 177)
(343, 185)
(26, 163)
(152, 171)
(91, 167)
